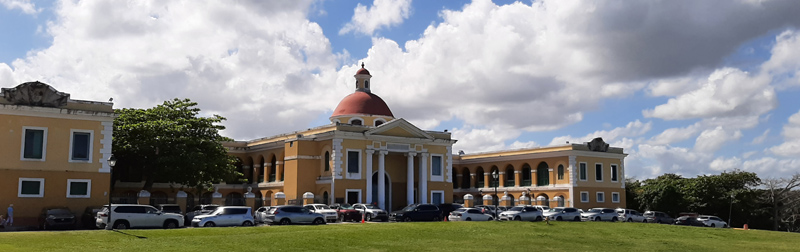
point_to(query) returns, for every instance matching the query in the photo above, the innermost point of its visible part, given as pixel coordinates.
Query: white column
(382, 179)
(410, 179)
(423, 178)
(369, 176)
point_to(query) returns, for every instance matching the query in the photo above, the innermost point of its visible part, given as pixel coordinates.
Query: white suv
(371, 212)
(712, 221)
(330, 214)
(125, 216)
(629, 215)
(225, 216)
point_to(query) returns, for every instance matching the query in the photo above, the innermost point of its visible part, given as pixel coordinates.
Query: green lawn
(432, 236)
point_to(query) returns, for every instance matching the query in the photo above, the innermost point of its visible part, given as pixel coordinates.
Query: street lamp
(112, 161)
(730, 210)
(496, 182)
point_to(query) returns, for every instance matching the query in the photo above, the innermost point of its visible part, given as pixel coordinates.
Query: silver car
(286, 215)
(600, 214)
(563, 214)
(225, 216)
(520, 213)
(261, 214)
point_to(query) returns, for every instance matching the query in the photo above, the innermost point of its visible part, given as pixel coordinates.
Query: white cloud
(760, 139)
(23, 5)
(673, 135)
(783, 63)
(473, 140)
(382, 14)
(668, 159)
(633, 129)
(712, 140)
(772, 167)
(725, 164)
(791, 133)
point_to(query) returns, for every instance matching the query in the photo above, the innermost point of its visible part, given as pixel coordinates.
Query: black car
(89, 215)
(57, 218)
(447, 208)
(689, 221)
(417, 212)
(658, 217)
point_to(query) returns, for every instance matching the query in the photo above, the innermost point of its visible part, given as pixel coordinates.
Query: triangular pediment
(399, 128)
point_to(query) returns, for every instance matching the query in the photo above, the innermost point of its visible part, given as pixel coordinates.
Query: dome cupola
(362, 103)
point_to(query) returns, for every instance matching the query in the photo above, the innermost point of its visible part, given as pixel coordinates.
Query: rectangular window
(583, 172)
(615, 197)
(601, 197)
(31, 187)
(34, 143)
(81, 147)
(584, 196)
(353, 196)
(436, 165)
(614, 173)
(353, 161)
(79, 188)
(437, 197)
(598, 172)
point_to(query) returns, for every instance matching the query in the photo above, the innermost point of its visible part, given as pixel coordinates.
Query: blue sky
(691, 88)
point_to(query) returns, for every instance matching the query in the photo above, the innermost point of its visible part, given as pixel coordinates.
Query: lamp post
(730, 210)
(496, 182)
(112, 161)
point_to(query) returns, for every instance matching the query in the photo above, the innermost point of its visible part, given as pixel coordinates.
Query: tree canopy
(171, 143)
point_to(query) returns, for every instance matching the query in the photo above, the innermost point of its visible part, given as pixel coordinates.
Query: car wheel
(247, 224)
(407, 219)
(597, 219)
(517, 218)
(614, 219)
(368, 217)
(538, 218)
(319, 221)
(630, 220)
(209, 224)
(468, 219)
(713, 225)
(558, 218)
(121, 224)
(725, 226)
(577, 218)
(341, 218)
(490, 219)
(286, 222)
(658, 222)
(170, 224)
(644, 221)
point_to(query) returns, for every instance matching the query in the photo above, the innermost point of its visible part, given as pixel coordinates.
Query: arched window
(273, 169)
(465, 178)
(327, 161)
(234, 199)
(526, 175)
(378, 123)
(261, 170)
(479, 178)
(510, 182)
(559, 201)
(494, 182)
(542, 175)
(366, 84)
(356, 122)
(560, 172)
(325, 198)
(455, 180)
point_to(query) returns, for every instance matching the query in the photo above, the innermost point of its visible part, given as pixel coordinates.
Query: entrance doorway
(388, 191)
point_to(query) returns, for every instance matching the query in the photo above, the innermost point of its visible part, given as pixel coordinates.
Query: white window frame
(598, 197)
(587, 196)
(438, 178)
(41, 188)
(91, 144)
(347, 164)
(437, 191)
(374, 122)
(584, 172)
(601, 172)
(88, 188)
(44, 144)
(347, 195)
(612, 168)
(612, 197)
(350, 121)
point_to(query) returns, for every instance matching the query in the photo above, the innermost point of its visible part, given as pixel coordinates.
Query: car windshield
(409, 208)
(346, 207)
(371, 207)
(516, 209)
(595, 210)
(209, 208)
(322, 207)
(216, 211)
(557, 209)
(59, 211)
(460, 210)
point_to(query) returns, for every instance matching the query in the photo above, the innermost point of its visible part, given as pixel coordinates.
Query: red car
(347, 212)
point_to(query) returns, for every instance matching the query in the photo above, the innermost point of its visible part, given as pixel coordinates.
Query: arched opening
(494, 182)
(495, 200)
(511, 199)
(526, 175)
(234, 199)
(543, 200)
(325, 199)
(273, 169)
(356, 122)
(366, 84)
(189, 200)
(387, 192)
(261, 170)
(542, 175)
(455, 180)
(465, 178)
(206, 198)
(327, 161)
(378, 123)
(510, 182)
(559, 201)
(158, 198)
(479, 177)
(258, 199)
(268, 198)
(129, 197)
(560, 172)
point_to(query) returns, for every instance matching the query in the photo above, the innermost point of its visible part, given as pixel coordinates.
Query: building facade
(53, 152)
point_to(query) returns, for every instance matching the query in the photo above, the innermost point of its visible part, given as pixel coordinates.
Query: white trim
(438, 178)
(584, 172)
(437, 191)
(59, 113)
(88, 188)
(347, 195)
(335, 121)
(374, 122)
(587, 196)
(612, 197)
(601, 172)
(41, 188)
(44, 144)
(356, 175)
(449, 166)
(597, 197)
(363, 123)
(611, 178)
(105, 143)
(91, 145)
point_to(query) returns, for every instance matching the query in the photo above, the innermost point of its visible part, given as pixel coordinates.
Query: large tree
(780, 194)
(171, 143)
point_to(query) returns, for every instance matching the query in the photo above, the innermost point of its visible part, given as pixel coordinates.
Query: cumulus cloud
(669, 159)
(725, 164)
(382, 14)
(712, 140)
(791, 133)
(23, 5)
(633, 129)
(760, 139)
(673, 135)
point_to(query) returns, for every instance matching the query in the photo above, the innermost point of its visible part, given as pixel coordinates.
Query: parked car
(600, 214)
(542, 208)
(198, 210)
(57, 218)
(629, 215)
(563, 213)
(330, 214)
(286, 215)
(712, 221)
(447, 208)
(658, 217)
(261, 214)
(125, 216)
(170, 208)
(347, 212)
(469, 214)
(489, 209)
(225, 216)
(522, 213)
(371, 212)
(687, 220)
(417, 212)
(88, 218)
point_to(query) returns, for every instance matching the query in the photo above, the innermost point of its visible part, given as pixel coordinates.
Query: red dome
(363, 71)
(363, 103)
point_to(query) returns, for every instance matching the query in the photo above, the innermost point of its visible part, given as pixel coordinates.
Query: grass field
(433, 236)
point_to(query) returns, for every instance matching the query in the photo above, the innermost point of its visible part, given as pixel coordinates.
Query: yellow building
(53, 152)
